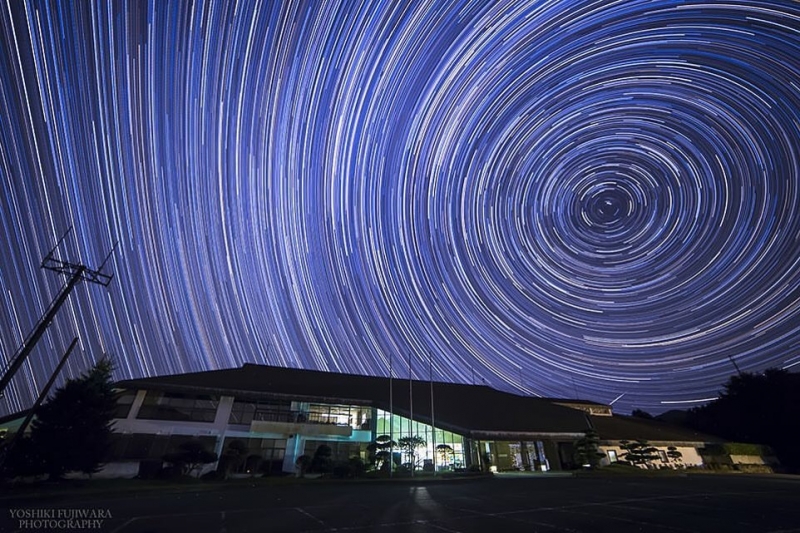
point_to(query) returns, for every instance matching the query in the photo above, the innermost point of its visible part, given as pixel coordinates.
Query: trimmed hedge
(737, 448)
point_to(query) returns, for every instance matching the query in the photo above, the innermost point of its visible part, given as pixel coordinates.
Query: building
(282, 413)
(675, 446)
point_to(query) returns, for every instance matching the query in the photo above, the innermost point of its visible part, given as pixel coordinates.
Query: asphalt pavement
(702, 503)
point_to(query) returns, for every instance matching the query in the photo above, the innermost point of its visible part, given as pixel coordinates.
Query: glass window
(355, 416)
(124, 403)
(340, 451)
(245, 410)
(399, 427)
(262, 456)
(173, 406)
(612, 456)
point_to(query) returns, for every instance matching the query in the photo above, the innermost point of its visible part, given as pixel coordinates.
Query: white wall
(690, 455)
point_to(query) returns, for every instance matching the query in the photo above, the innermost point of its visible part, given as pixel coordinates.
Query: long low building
(282, 413)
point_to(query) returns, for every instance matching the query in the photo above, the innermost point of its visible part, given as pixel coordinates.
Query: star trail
(555, 198)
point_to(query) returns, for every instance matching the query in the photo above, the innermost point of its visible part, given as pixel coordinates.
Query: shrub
(322, 462)
(191, 456)
(302, 463)
(341, 469)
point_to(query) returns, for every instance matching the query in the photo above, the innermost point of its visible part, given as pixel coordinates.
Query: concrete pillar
(221, 423)
(295, 445)
(136, 405)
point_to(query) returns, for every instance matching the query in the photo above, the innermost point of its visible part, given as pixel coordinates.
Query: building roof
(618, 427)
(13, 419)
(577, 401)
(473, 410)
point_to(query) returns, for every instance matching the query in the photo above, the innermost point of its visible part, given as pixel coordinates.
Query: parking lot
(702, 503)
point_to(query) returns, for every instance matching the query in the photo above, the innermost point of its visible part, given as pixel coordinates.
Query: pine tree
(587, 449)
(72, 430)
(638, 452)
(410, 445)
(759, 409)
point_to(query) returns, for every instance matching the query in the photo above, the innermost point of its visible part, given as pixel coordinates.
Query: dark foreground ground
(705, 503)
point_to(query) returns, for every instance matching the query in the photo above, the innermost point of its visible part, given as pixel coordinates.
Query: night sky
(554, 198)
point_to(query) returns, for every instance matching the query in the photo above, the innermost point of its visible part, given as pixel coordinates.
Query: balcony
(297, 423)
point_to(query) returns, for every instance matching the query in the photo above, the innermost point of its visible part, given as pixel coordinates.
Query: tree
(638, 452)
(674, 454)
(191, 455)
(72, 430)
(638, 413)
(587, 449)
(322, 461)
(757, 409)
(380, 452)
(24, 460)
(410, 445)
(352, 468)
(445, 451)
(233, 456)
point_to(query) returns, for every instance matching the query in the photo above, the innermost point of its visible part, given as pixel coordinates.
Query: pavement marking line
(501, 515)
(438, 526)
(574, 506)
(690, 504)
(222, 528)
(370, 527)
(121, 527)
(125, 524)
(625, 520)
(303, 511)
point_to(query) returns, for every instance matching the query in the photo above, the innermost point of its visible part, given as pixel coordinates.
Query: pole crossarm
(39, 329)
(75, 273)
(69, 269)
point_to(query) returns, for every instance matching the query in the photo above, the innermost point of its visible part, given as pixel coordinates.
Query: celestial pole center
(553, 198)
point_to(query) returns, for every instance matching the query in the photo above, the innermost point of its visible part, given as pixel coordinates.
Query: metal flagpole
(411, 409)
(391, 417)
(433, 419)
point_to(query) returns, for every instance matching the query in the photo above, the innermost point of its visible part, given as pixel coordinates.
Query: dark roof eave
(133, 384)
(654, 442)
(513, 435)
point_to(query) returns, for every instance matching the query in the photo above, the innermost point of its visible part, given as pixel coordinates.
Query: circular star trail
(557, 198)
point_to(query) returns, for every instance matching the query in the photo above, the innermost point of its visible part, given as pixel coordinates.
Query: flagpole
(411, 409)
(433, 419)
(391, 417)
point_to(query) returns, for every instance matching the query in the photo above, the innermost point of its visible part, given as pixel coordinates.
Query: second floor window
(175, 406)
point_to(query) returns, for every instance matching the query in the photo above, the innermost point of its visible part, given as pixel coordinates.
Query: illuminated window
(398, 427)
(612, 456)
(355, 416)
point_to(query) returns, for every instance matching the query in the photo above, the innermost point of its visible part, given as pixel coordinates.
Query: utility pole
(738, 370)
(42, 395)
(75, 272)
